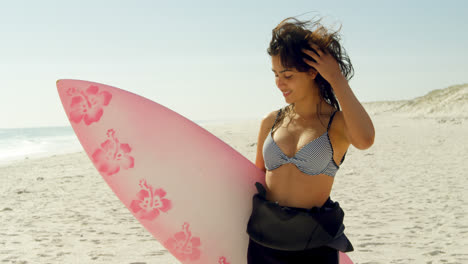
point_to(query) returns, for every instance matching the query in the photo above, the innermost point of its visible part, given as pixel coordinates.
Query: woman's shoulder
(269, 119)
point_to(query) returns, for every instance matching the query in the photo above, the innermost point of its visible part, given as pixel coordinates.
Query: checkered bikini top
(316, 157)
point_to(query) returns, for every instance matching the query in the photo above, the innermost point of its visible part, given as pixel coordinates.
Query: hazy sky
(207, 59)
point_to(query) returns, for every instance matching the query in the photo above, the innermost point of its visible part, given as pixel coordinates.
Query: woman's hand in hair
(324, 63)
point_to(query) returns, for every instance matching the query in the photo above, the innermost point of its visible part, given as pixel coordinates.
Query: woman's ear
(312, 73)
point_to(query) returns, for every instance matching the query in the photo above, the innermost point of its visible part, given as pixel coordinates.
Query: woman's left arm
(358, 125)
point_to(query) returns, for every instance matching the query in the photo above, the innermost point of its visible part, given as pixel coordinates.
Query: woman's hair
(288, 40)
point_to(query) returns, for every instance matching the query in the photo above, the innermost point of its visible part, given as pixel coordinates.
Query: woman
(300, 149)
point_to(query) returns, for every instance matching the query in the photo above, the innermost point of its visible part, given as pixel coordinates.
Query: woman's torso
(288, 185)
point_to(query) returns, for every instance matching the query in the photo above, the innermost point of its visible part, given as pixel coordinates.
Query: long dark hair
(289, 38)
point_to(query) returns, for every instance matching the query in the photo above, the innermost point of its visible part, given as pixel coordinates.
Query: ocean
(21, 143)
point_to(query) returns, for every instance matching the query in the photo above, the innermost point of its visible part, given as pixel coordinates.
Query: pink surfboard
(188, 188)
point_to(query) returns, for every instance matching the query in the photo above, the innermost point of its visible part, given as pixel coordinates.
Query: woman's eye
(287, 77)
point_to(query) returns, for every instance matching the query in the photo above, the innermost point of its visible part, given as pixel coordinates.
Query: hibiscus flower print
(112, 156)
(222, 260)
(149, 202)
(88, 105)
(183, 246)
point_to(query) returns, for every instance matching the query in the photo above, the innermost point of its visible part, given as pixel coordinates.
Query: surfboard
(188, 188)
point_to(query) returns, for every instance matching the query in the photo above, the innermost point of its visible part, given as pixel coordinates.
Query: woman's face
(294, 85)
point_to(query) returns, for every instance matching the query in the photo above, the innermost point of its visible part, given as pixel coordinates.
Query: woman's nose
(279, 82)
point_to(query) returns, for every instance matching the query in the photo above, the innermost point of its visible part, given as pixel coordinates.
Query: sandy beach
(405, 198)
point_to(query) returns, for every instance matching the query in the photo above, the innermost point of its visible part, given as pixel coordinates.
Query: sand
(405, 198)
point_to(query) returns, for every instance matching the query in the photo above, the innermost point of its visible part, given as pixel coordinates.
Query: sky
(207, 60)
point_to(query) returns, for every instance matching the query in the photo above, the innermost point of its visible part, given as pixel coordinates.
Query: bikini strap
(279, 112)
(342, 159)
(331, 118)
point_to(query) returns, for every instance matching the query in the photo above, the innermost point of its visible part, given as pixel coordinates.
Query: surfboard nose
(62, 83)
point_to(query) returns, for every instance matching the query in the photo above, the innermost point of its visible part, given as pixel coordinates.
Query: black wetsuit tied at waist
(295, 229)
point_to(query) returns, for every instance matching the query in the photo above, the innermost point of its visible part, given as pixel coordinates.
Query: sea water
(21, 143)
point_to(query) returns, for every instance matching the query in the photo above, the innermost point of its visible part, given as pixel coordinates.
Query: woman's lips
(286, 93)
